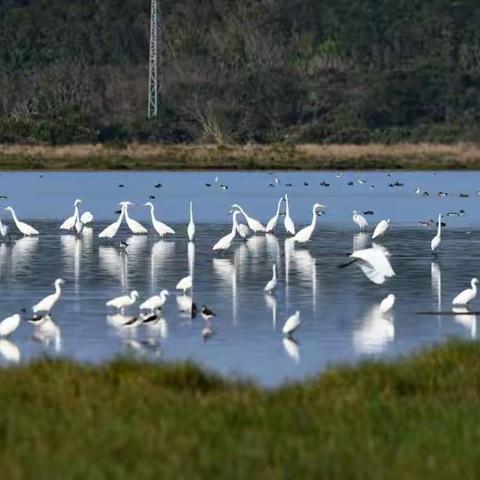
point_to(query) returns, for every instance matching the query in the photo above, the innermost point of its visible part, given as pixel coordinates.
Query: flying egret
(124, 301)
(155, 302)
(69, 223)
(159, 226)
(272, 223)
(135, 227)
(185, 284)
(293, 323)
(381, 228)
(10, 324)
(467, 295)
(374, 264)
(288, 222)
(225, 242)
(304, 235)
(436, 240)
(191, 225)
(23, 227)
(252, 223)
(387, 303)
(45, 306)
(360, 220)
(272, 284)
(110, 231)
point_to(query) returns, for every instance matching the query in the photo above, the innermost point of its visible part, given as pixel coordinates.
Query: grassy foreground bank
(203, 157)
(418, 418)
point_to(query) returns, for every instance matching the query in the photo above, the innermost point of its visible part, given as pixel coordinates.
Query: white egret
(191, 225)
(69, 223)
(293, 323)
(23, 227)
(156, 301)
(288, 222)
(252, 223)
(374, 264)
(436, 240)
(86, 218)
(45, 306)
(9, 351)
(9, 325)
(272, 223)
(243, 230)
(159, 226)
(304, 235)
(360, 220)
(381, 228)
(272, 284)
(185, 284)
(135, 227)
(110, 231)
(124, 301)
(225, 242)
(387, 303)
(465, 297)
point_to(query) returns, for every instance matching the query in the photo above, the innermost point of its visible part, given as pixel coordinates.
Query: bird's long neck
(474, 288)
(77, 213)
(191, 212)
(278, 207)
(14, 216)
(58, 290)
(234, 224)
(274, 271)
(287, 208)
(152, 214)
(120, 217)
(125, 211)
(314, 219)
(439, 228)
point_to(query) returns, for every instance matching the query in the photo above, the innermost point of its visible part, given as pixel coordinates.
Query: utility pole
(155, 61)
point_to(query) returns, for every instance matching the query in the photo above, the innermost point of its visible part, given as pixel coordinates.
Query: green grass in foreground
(418, 418)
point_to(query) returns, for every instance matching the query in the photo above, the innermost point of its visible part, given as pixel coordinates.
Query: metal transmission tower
(155, 61)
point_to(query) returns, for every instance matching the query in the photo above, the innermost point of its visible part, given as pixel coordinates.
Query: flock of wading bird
(373, 262)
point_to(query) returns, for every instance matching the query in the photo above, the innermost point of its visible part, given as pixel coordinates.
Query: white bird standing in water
(272, 223)
(360, 220)
(293, 323)
(437, 239)
(243, 230)
(288, 222)
(69, 223)
(191, 225)
(381, 228)
(10, 324)
(45, 306)
(465, 297)
(23, 227)
(252, 223)
(135, 227)
(124, 301)
(155, 302)
(225, 242)
(159, 226)
(304, 235)
(272, 284)
(387, 303)
(110, 231)
(185, 284)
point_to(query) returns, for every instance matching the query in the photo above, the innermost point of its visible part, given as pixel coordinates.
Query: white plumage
(9, 351)
(135, 227)
(69, 223)
(381, 228)
(288, 222)
(272, 223)
(304, 235)
(9, 325)
(252, 223)
(243, 230)
(161, 228)
(467, 295)
(86, 218)
(110, 231)
(293, 323)
(185, 284)
(272, 283)
(374, 263)
(436, 240)
(191, 225)
(23, 227)
(156, 301)
(360, 220)
(45, 306)
(225, 242)
(124, 301)
(387, 303)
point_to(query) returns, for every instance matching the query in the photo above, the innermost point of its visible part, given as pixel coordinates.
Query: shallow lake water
(340, 322)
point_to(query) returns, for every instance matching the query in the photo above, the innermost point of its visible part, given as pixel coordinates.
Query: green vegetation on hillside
(417, 418)
(261, 71)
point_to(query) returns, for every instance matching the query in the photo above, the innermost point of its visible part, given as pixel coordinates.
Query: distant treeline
(266, 71)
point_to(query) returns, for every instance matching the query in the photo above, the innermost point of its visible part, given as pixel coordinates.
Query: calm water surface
(340, 323)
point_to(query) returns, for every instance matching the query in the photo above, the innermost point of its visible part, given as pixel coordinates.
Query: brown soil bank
(234, 157)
